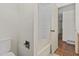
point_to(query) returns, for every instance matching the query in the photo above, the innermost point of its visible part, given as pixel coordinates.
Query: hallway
(65, 49)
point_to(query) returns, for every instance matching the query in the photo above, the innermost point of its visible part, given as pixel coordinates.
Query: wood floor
(65, 49)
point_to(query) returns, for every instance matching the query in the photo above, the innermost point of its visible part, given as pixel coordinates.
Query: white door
(43, 27)
(54, 29)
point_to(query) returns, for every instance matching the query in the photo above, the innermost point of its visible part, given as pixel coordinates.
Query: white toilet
(5, 47)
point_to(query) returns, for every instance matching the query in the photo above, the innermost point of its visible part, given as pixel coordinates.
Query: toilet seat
(8, 54)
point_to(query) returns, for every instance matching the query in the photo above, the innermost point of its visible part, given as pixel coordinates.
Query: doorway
(66, 30)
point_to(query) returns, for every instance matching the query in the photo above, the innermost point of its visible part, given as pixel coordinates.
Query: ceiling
(62, 4)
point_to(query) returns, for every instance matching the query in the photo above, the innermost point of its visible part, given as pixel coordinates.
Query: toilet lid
(8, 54)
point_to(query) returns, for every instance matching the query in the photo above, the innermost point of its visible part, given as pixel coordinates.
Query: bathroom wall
(26, 17)
(8, 23)
(16, 21)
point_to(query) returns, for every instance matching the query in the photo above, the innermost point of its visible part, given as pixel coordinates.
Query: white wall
(8, 23)
(69, 26)
(26, 17)
(16, 21)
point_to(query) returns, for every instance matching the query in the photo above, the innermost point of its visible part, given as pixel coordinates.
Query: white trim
(35, 28)
(45, 49)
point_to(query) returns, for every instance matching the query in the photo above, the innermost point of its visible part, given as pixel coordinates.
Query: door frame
(54, 29)
(76, 34)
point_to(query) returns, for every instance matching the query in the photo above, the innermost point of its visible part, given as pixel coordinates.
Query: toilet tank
(5, 44)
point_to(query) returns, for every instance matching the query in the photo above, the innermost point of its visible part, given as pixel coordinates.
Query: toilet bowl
(5, 47)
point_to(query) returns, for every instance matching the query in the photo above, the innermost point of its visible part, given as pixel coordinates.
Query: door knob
(52, 30)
